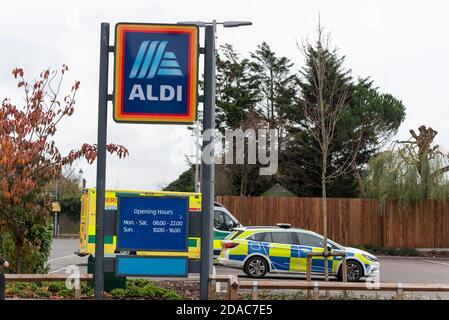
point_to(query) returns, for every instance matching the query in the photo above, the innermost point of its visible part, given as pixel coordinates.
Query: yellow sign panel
(55, 207)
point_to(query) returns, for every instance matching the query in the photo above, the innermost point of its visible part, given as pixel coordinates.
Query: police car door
(280, 250)
(310, 242)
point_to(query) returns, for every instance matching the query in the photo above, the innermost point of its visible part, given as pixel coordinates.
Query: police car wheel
(354, 271)
(256, 267)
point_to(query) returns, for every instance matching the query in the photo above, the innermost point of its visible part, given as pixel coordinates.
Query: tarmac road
(392, 269)
(63, 255)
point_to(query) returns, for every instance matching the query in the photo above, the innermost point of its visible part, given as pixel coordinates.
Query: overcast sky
(402, 46)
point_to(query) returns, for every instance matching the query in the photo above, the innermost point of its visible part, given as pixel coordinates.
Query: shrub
(142, 288)
(14, 290)
(42, 293)
(171, 295)
(139, 282)
(56, 287)
(20, 285)
(36, 249)
(408, 252)
(65, 293)
(86, 289)
(119, 293)
(388, 251)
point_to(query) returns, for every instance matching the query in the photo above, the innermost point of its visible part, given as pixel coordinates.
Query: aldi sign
(156, 73)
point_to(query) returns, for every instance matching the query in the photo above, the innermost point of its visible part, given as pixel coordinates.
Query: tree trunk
(244, 180)
(19, 254)
(358, 178)
(425, 175)
(357, 175)
(324, 204)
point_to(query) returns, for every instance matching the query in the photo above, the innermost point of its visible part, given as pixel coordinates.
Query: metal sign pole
(56, 225)
(101, 161)
(207, 179)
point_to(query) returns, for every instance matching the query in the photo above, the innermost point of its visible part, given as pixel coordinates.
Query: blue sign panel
(142, 266)
(156, 70)
(152, 224)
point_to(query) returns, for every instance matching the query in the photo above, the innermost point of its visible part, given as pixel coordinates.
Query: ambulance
(224, 221)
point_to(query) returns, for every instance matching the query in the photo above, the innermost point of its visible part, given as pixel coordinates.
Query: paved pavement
(393, 269)
(63, 255)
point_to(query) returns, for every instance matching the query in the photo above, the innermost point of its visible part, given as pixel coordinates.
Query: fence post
(309, 273)
(255, 294)
(326, 266)
(309, 267)
(344, 272)
(213, 289)
(399, 292)
(233, 286)
(228, 288)
(316, 291)
(78, 293)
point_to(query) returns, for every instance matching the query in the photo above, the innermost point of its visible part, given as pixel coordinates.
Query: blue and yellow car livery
(259, 250)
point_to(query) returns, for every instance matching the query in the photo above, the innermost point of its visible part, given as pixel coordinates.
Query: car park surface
(393, 269)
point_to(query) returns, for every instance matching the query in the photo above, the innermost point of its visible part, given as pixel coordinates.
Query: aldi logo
(163, 63)
(156, 73)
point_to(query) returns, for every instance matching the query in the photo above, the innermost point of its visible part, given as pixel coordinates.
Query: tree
(184, 183)
(67, 190)
(68, 185)
(237, 96)
(367, 122)
(277, 86)
(322, 103)
(262, 90)
(410, 171)
(252, 93)
(236, 92)
(29, 157)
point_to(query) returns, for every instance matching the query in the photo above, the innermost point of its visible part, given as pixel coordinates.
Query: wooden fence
(351, 221)
(234, 284)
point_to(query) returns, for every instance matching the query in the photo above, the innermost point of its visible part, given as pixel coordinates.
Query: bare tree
(322, 107)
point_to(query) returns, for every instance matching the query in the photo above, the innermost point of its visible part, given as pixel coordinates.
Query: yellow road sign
(55, 207)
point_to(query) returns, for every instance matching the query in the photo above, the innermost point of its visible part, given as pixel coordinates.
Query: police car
(281, 249)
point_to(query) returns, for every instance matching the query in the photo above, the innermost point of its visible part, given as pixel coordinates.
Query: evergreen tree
(251, 94)
(236, 93)
(184, 183)
(262, 91)
(367, 121)
(277, 86)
